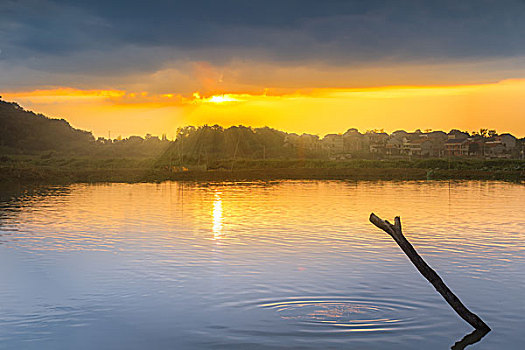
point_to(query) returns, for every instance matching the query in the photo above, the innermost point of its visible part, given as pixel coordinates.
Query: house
(476, 146)
(438, 139)
(495, 149)
(507, 140)
(376, 141)
(421, 147)
(333, 143)
(378, 148)
(393, 146)
(456, 147)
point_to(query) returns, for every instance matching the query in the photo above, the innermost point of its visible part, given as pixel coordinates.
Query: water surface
(259, 265)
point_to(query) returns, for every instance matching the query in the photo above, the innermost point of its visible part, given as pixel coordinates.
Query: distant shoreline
(62, 175)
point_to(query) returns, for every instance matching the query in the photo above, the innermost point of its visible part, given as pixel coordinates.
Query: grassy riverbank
(70, 170)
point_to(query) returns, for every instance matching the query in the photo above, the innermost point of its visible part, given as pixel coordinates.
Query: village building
(333, 143)
(495, 149)
(507, 140)
(394, 146)
(400, 143)
(376, 141)
(421, 147)
(456, 147)
(437, 139)
(476, 146)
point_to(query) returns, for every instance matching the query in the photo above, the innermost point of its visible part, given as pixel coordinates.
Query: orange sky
(319, 111)
(299, 66)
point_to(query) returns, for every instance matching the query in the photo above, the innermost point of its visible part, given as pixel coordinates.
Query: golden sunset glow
(319, 111)
(203, 174)
(221, 99)
(217, 216)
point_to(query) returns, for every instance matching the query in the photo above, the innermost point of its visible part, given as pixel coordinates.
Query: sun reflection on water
(291, 257)
(217, 216)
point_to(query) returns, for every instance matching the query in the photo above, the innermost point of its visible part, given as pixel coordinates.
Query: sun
(221, 99)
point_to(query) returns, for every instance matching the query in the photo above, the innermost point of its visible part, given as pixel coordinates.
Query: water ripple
(330, 314)
(291, 264)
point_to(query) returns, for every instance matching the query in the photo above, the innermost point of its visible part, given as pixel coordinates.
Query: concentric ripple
(348, 315)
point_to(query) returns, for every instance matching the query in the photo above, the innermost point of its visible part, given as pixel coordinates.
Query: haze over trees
(208, 143)
(27, 133)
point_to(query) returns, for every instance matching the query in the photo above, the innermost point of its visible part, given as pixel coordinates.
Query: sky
(137, 67)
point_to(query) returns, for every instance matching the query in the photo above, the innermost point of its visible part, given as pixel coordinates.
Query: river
(258, 265)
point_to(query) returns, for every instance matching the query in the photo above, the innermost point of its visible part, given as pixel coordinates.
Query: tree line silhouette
(27, 133)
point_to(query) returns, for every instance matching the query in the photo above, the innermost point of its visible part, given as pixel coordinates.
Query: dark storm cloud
(99, 36)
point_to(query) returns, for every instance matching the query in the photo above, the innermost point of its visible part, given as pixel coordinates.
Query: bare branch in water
(395, 232)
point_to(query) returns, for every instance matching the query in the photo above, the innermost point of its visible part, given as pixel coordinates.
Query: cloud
(92, 42)
(467, 107)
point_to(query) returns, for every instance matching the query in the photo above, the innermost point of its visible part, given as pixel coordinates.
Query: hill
(25, 132)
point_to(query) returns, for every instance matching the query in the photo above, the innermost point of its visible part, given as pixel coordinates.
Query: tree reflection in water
(469, 339)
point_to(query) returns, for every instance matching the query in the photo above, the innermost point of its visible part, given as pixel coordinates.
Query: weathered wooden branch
(396, 233)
